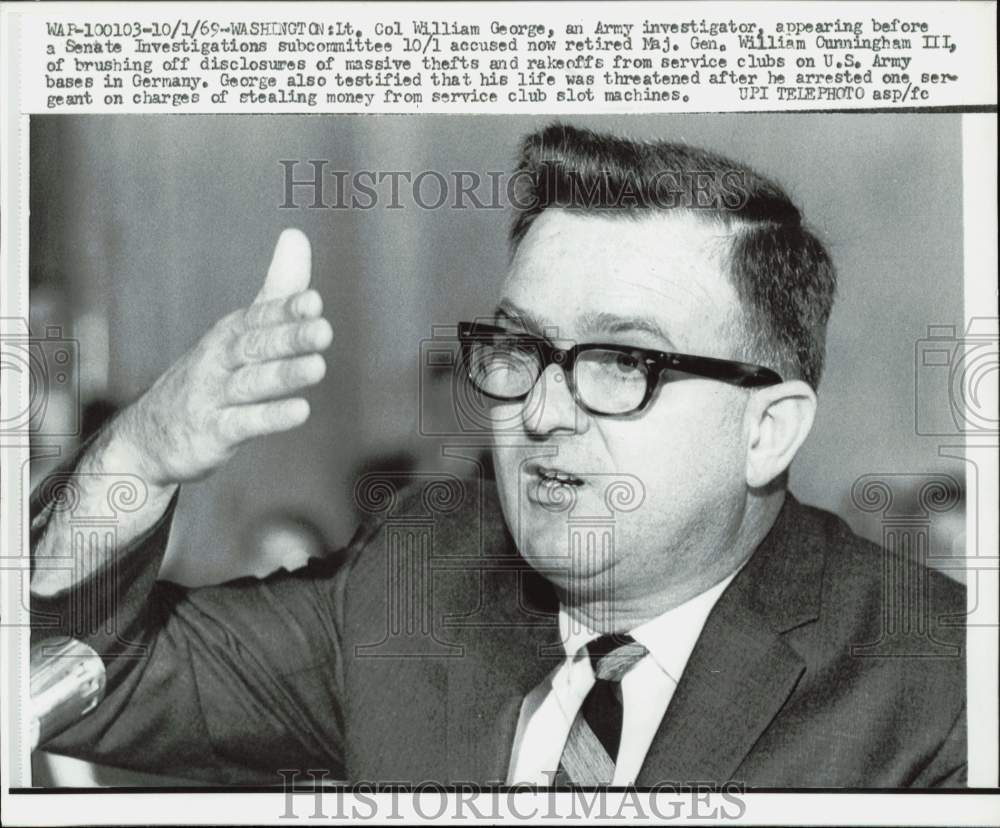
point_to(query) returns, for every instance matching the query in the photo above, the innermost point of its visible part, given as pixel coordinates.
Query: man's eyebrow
(508, 311)
(612, 323)
(590, 323)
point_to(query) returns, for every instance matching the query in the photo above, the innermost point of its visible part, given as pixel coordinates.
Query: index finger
(305, 305)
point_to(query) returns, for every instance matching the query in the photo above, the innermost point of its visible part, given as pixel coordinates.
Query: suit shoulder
(870, 592)
(861, 565)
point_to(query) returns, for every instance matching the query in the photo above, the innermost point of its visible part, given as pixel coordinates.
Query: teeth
(553, 477)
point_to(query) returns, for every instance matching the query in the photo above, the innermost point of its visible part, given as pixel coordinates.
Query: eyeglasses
(606, 380)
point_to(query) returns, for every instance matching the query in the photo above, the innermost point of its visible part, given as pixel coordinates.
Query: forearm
(85, 492)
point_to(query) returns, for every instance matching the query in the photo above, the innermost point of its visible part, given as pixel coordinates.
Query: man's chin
(561, 551)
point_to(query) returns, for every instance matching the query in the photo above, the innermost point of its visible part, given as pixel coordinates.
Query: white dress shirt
(548, 711)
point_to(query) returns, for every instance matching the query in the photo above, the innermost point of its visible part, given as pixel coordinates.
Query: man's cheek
(658, 486)
(506, 462)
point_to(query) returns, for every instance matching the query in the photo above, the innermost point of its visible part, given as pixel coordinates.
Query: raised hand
(239, 381)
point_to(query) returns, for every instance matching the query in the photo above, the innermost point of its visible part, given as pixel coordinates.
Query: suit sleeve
(229, 683)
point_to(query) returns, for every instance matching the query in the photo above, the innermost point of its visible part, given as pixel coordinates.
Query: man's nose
(550, 407)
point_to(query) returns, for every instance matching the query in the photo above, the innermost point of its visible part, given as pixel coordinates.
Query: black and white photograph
(508, 450)
(497, 413)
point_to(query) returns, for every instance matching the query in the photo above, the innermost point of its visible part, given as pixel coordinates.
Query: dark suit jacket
(827, 662)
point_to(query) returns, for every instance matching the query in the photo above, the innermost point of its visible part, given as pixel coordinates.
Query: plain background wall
(157, 226)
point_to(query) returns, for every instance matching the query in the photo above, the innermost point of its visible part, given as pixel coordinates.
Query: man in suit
(636, 599)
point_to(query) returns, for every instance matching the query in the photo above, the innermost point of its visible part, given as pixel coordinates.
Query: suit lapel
(735, 682)
(742, 670)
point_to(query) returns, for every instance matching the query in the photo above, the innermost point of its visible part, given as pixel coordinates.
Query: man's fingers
(290, 267)
(281, 341)
(239, 423)
(277, 378)
(305, 305)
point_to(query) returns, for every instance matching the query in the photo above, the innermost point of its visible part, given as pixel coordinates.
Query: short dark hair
(782, 272)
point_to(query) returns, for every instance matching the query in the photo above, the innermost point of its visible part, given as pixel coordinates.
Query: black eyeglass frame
(740, 374)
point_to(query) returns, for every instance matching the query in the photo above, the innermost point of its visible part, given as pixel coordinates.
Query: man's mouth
(558, 478)
(550, 479)
(554, 475)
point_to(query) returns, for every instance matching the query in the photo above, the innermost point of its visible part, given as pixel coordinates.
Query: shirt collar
(669, 637)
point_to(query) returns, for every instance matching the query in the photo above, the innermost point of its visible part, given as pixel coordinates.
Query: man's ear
(778, 421)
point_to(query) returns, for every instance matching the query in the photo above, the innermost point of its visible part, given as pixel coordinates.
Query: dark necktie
(594, 739)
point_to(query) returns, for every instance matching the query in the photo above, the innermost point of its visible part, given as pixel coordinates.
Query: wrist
(125, 450)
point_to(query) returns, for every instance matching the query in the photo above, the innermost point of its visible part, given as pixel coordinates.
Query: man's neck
(628, 610)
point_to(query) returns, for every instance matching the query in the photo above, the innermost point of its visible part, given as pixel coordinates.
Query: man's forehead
(659, 275)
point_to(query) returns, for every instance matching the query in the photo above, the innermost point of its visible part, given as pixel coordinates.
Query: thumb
(290, 267)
